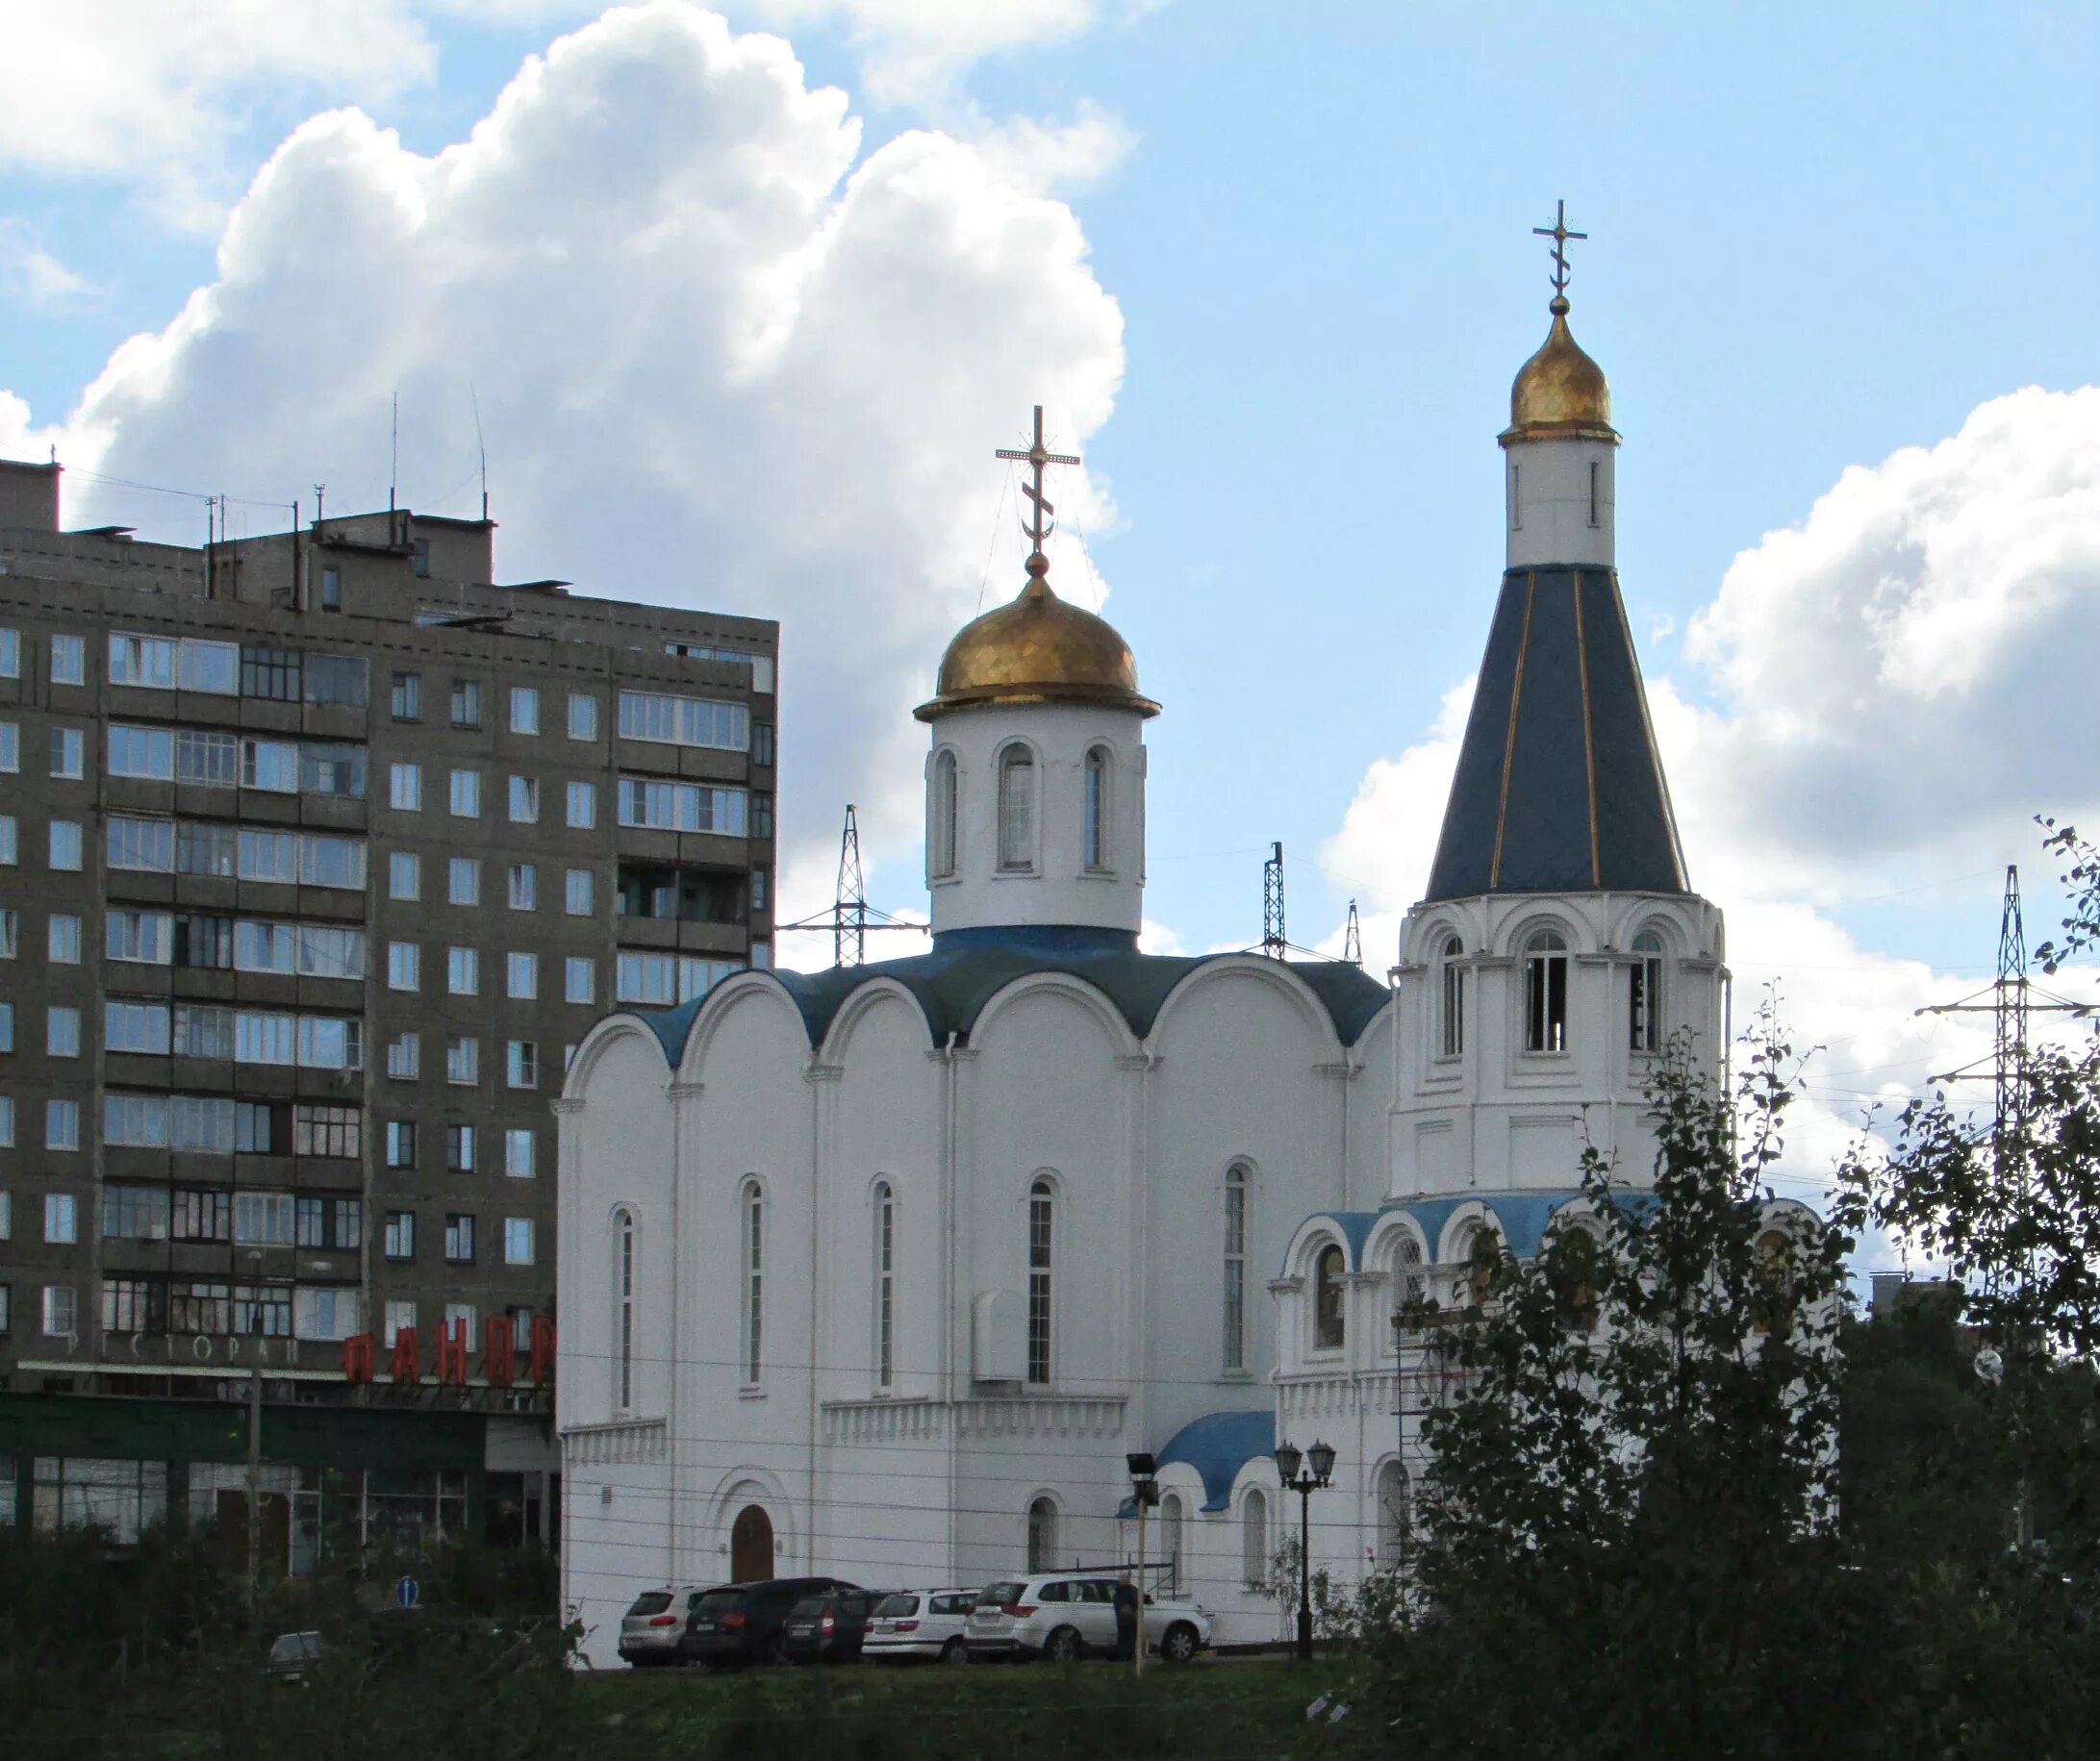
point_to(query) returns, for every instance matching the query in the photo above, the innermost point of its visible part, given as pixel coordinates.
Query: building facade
(319, 853)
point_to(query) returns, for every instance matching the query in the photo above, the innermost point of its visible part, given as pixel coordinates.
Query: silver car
(925, 1625)
(651, 1630)
(1066, 1616)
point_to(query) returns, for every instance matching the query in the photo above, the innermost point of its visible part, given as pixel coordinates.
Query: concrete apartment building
(318, 852)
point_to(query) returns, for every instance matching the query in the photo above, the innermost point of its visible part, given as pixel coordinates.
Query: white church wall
(1560, 503)
(1370, 1102)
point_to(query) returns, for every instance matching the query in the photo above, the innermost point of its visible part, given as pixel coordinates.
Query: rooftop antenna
(1352, 938)
(1272, 943)
(849, 910)
(480, 447)
(394, 452)
(320, 491)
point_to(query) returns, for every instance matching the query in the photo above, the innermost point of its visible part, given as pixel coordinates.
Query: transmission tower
(849, 910)
(1272, 943)
(2010, 1052)
(1352, 938)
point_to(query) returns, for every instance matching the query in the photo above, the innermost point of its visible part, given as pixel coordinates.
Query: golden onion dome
(1561, 393)
(1037, 649)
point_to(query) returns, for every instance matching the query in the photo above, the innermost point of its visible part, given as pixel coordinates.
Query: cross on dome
(1559, 233)
(1038, 457)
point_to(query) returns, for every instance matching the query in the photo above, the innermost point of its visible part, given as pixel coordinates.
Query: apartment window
(405, 788)
(458, 1238)
(61, 1032)
(9, 841)
(684, 721)
(521, 1064)
(522, 976)
(467, 703)
(62, 939)
(1644, 1001)
(404, 875)
(271, 764)
(518, 1241)
(334, 1225)
(140, 752)
(65, 846)
(459, 1149)
(68, 661)
(761, 815)
(10, 747)
(1235, 1267)
(1546, 992)
(462, 1060)
(61, 1124)
(583, 717)
(761, 891)
(1042, 1205)
(463, 972)
(327, 1131)
(404, 963)
(583, 806)
(68, 754)
(525, 710)
(61, 1311)
(408, 696)
(61, 1220)
(6, 1121)
(265, 1220)
(400, 1143)
(518, 1154)
(401, 1318)
(579, 980)
(525, 800)
(134, 1027)
(467, 794)
(681, 807)
(462, 881)
(576, 893)
(762, 743)
(11, 654)
(524, 886)
(1452, 994)
(270, 673)
(400, 1238)
(202, 1213)
(198, 849)
(7, 1027)
(404, 1057)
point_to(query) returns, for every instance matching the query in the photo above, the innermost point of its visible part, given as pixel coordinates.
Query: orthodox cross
(1038, 526)
(1558, 233)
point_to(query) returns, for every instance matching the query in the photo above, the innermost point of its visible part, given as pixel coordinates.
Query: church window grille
(943, 853)
(1595, 493)
(885, 1286)
(1040, 1219)
(1016, 810)
(1644, 999)
(1042, 1534)
(623, 1281)
(1410, 1285)
(1396, 1514)
(1546, 992)
(1254, 1538)
(1096, 808)
(754, 1291)
(1235, 1268)
(1327, 1300)
(1452, 1033)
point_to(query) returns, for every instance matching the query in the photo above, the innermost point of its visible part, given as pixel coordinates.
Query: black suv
(828, 1627)
(740, 1623)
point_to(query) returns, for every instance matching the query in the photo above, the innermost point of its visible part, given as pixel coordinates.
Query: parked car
(650, 1631)
(294, 1657)
(738, 1625)
(922, 1625)
(1066, 1616)
(828, 1627)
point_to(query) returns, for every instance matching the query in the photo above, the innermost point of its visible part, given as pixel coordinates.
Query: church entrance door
(751, 1546)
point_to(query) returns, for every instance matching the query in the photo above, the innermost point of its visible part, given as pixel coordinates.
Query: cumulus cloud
(29, 275)
(913, 50)
(723, 358)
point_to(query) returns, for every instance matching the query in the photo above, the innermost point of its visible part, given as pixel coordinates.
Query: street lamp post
(1318, 1470)
(1145, 1493)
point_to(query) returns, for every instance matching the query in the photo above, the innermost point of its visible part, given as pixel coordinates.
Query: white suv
(1066, 1616)
(918, 1623)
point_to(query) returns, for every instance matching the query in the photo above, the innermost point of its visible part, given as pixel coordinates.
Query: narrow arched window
(1254, 1537)
(1451, 1036)
(1096, 808)
(941, 828)
(1016, 810)
(1396, 1514)
(1772, 1297)
(1326, 1299)
(1546, 992)
(1169, 1540)
(623, 1298)
(1644, 998)
(753, 1206)
(1516, 498)
(885, 1270)
(1410, 1283)
(1042, 1535)
(1596, 500)
(1041, 1216)
(1235, 1267)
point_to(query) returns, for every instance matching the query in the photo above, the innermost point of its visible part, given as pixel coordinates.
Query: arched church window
(1096, 808)
(1016, 810)
(1596, 499)
(1042, 1206)
(1235, 1267)
(1170, 1538)
(1254, 1537)
(885, 1269)
(1452, 1033)
(1773, 1297)
(941, 830)
(1410, 1285)
(1396, 1514)
(1043, 1534)
(1326, 1299)
(1546, 992)
(1644, 1001)
(752, 1203)
(624, 1295)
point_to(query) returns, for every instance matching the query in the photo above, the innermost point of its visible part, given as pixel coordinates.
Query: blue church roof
(1218, 1445)
(965, 968)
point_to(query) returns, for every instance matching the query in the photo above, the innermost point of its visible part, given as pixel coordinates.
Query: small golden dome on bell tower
(1561, 393)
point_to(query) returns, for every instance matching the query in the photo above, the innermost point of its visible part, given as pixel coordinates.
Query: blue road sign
(405, 1591)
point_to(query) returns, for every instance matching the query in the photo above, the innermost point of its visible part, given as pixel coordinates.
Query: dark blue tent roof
(1558, 787)
(965, 968)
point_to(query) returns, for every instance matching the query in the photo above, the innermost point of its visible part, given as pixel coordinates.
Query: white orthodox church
(881, 1271)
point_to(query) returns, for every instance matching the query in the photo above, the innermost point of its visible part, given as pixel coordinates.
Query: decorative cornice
(815, 1072)
(1338, 1073)
(687, 1090)
(622, 1440)
(566, 1106)
(1137, 1061)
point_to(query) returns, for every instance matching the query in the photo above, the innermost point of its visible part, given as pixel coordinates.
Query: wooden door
(751, 1546)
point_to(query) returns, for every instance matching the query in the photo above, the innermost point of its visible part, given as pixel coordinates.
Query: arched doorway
(751, 1546)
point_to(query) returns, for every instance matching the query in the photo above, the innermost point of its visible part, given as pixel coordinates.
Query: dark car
(828, 1627)
(740, 1623)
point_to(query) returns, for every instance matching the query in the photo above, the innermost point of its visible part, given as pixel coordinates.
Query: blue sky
(1819, 236)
